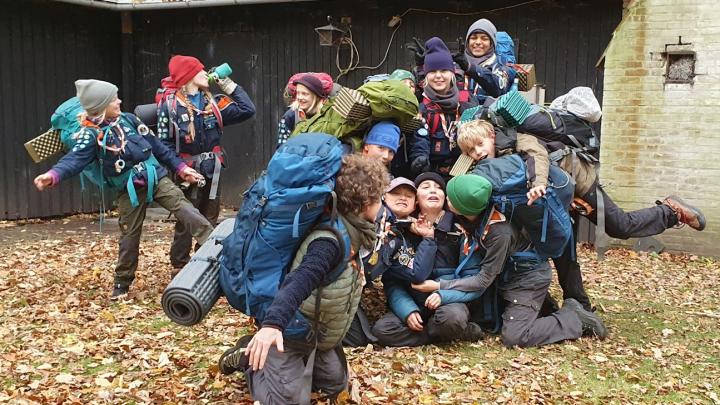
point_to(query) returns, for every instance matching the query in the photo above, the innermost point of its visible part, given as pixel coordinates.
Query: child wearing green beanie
(521, 277)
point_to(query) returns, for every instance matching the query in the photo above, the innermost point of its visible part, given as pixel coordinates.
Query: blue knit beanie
(437, 56)
(384, 133)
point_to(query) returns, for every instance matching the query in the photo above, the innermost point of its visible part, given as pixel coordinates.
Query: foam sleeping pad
(193, 292)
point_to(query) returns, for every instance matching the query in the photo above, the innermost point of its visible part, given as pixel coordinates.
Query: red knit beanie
(183, 69)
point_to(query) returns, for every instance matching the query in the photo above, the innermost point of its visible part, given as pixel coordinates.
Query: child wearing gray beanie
(95, 95)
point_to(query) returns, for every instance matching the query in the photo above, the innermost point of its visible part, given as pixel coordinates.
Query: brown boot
(686, 213)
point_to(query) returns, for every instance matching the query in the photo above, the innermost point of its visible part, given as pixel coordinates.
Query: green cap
(400, 74)
(469, 193)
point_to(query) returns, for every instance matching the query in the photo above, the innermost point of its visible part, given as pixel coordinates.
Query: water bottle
(219, 72)
(514, 86)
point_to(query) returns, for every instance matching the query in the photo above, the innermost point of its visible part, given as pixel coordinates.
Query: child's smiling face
(479, 44)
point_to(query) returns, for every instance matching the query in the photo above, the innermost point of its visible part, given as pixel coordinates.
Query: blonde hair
(470, 134)
(360, 182)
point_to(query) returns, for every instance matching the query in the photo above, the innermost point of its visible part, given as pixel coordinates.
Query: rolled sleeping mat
(193, 292)
(147, 114)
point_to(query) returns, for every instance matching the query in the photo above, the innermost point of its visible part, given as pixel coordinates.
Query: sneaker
(120, 290)
(592, 325)
(686, 213)
(234, 359)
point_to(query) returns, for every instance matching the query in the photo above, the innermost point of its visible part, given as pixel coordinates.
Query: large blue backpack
(278, 211)
(547, 221)
(66, 119)
(504, 48)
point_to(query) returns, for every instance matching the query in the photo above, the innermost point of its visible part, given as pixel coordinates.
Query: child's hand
(414, 322)
(427, 286)
(258, 348)
(43, 181)
(433, 301)
(423, 228)
(190, 175)
(535, 193)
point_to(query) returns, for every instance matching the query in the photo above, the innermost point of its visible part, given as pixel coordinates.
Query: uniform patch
(223, 102)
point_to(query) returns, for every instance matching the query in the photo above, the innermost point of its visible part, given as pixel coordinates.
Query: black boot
(119, 290)
(592, 325)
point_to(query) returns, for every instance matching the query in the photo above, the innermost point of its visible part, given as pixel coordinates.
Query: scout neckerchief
(451, 130)
(210, 108)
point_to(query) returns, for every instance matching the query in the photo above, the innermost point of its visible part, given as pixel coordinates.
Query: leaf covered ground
(63, 341)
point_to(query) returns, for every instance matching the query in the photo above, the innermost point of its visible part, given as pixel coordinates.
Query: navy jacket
(483, 81)
(139, 148)
(432, 141)
(234, 109)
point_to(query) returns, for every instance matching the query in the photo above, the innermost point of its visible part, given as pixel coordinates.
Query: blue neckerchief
(196, 99)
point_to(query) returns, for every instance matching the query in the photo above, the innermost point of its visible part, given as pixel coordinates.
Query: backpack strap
(462, 265)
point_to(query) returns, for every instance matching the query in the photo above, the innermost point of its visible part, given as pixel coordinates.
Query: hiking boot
(473, 332)
(234, 359)
(592, 325)
(686, 213)
(119, 291)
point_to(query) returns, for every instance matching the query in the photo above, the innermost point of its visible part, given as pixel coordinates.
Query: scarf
(485, 61)
(362, 232)
(447, 102)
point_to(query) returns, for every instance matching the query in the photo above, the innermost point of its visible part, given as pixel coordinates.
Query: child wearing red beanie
(190, 122)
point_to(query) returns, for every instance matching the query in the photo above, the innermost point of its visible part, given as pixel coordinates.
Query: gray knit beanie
(483, 25)
(95, 95)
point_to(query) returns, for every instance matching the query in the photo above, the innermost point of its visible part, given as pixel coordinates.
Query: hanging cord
(355, 54)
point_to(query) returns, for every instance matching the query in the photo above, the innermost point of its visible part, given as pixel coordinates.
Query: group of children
(452, 265)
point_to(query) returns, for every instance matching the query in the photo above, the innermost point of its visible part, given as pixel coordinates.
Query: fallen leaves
(63, 341)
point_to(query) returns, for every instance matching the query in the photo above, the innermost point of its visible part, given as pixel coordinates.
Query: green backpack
(390, 100)
(329, 121)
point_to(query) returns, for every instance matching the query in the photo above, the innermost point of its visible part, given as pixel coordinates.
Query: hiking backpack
(278, 211)
(66, 119)
(504, 48)
(390, 100)
(329, 121)
(547, 221)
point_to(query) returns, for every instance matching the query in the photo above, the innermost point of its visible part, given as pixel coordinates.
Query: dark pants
(618, 224)
(182, 241)
(281, 382)
(524, 294)
(169, 196)
(447, 323)
(360, 332)
(633, 224)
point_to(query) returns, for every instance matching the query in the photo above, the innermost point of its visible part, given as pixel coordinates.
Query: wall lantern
(330, 35)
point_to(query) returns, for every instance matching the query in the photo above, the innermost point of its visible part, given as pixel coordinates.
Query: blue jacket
(483, 81)
(139, 148)
(439, 261)
(432, 141)
(234, 109)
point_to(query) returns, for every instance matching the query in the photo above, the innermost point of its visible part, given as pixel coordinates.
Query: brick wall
(659, 138)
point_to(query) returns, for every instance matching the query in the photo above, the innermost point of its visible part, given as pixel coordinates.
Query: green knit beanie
(469, 193)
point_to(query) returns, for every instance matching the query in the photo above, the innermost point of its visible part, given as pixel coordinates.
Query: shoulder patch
(223, 101)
